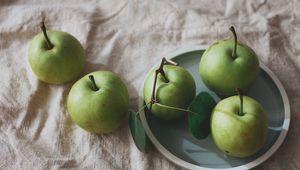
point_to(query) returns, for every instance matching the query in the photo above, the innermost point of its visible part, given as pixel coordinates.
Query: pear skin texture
(100, 111)
(235, 135)
(61, 64)
(178, 92)
(222, 73)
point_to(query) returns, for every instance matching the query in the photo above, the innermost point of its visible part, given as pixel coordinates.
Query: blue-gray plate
(177, 144)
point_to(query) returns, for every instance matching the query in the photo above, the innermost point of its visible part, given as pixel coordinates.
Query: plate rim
(171, 157)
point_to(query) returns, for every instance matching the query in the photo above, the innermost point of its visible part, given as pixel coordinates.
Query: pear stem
(94, 86)
(239, 92)
(175, 108)
(235, 42)
(160, 70)
(43, 27)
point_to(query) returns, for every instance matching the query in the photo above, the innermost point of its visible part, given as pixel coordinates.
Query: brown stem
(153, 98)
(160, 70)
(43, 27)
(94, 86)
(239, 92)
(170, 62)
(235, 42)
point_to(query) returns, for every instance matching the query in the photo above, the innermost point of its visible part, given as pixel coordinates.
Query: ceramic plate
(176, 143)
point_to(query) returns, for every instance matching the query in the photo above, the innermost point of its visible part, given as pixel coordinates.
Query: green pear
(98, 102)
(227, 65)
(176, 89)
(239, 126)
(56, 57)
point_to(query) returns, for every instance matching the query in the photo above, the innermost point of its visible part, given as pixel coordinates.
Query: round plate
(177, 144)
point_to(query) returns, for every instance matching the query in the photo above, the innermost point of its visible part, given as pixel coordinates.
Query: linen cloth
(128, 37)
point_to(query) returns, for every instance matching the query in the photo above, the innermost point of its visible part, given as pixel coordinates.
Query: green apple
(228, 64)
(176, 89)
(55, 57)
(239, 126)
(98, 102)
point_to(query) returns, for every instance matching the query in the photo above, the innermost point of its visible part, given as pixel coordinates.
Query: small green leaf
(199, 120)
(138, 133)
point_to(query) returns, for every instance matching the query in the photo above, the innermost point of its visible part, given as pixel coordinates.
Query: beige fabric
(127, 37)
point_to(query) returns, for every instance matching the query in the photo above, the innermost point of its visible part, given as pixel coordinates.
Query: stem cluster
(160, 70)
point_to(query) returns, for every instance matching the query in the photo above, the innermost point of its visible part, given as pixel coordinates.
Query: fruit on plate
(174, 87)
(98, 102)
(228, 64)
(239, 126)
(55, 57)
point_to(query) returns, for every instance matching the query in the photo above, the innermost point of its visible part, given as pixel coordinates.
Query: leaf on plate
(138, 133)
(199, 120)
